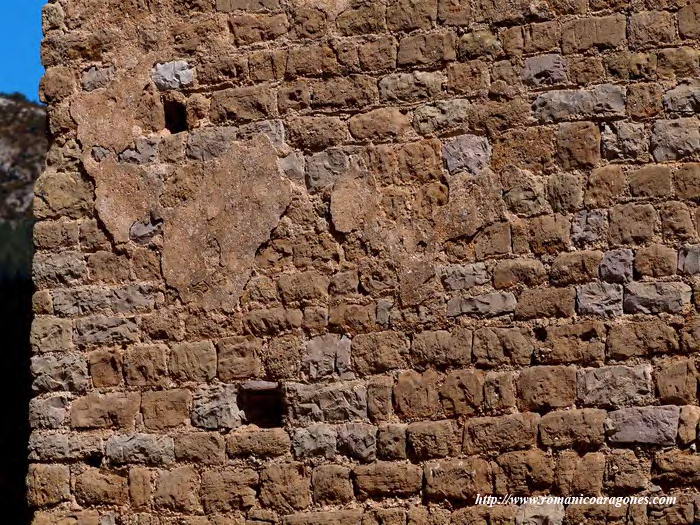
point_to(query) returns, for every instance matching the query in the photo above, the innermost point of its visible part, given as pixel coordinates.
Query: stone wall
(347, 261)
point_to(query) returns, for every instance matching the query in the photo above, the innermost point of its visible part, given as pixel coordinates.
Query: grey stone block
(314, 440)
(589, 226)
(463, 276)
(466, 152)
(689, 259)
(63, 372)
(487, 305)
(615, 386)
(358, 441)
(599, 298)
(173, 75)
(335, 402)
(150, 449)
(48, 412)
(215, 406)
(624, 140)
(643, 425)
(617, 266)
(44, 446)
(656, 297)
(684, 98)
(545, 70)
(605, 100)
(327, 355)
(675, 139)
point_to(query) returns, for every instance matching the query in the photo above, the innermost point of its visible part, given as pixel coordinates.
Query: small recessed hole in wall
(94, 460)
(540, 333)
(262, 403)
(175, 115)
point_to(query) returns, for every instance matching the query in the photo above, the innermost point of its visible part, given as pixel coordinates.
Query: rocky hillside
(23, 146)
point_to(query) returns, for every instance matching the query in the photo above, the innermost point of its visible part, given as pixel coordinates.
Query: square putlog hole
(262, 403)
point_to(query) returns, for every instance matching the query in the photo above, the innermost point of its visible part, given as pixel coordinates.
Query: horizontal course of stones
(463, 243)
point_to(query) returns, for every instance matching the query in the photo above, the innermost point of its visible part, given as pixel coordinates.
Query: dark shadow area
(23, 146)
(15, 389)
(262, 403)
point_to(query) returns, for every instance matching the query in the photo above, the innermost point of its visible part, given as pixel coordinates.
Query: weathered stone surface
(332, 484)
(545, 70)
(616, 266)
(358, 441)
(173, 75)
(45, 446)
(151, 449)
(102, 330)
(578, 145)
(589, 227)
(689, 259)
(459, 480)
(641, 339)
(615, 386)
(503, 433)
(441, 116)
(467, 152)
(461, 393)
(97, 487)
(547, 387)
(48, 484)
(228, 489)
(677, 466)
(525, 471)
(645, 425)
(330, 403)
(48, 412)
(63, 268)
(677, 381)
(675, 139)
(545, 302)
(166, 408)
(406, 87)
(593, 32)
(193, 361)
(604, 100)
(549, 513)
(463, 276)
(487, 305)
(327, 355)
(354, 263)
(415, 395)
(314, 440)
(231, 227)
(215, 407)
(599, 298)
(59, 372)
(441, 348)
(258, 442)
(200, 447)
(431, 439)
(284, 487)
(656, 297)
(378, 352)
(497, 346)
(177, 490)
(624, 140)
(562, 428)
(579, 342)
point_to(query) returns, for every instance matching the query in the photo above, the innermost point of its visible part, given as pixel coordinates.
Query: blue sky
(20, 37)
